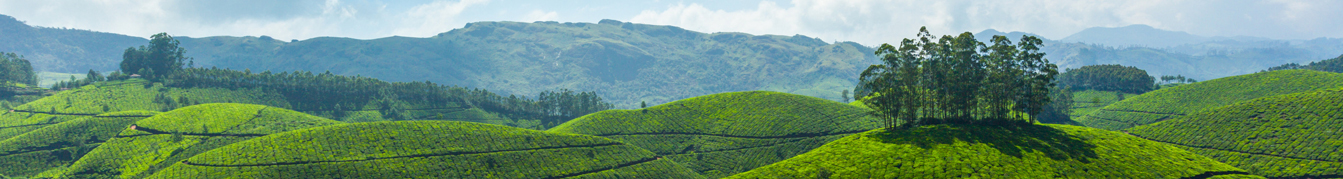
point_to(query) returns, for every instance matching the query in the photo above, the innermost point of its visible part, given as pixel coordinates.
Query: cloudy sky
(863, 21)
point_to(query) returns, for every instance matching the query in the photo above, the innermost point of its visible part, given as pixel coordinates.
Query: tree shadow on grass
(1010, 139)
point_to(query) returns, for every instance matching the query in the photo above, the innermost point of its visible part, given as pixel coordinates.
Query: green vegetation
(1330, 65)
(164, 139)
(16, 69)
(111, 96)
(1293, 135)
(723, 134)
(18, 81)
(1086, 102)
(429, 149)
(1119, 78)
(957, 80)
(1008, 151)
(1169, 103)
(59, 145)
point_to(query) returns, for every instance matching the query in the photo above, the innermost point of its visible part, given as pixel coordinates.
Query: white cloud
(539, 15)
(879, 21)
(436, 17)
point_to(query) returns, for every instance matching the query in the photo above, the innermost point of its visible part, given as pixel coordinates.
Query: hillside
(1086, 102)
(426, 149)
(627, 63)
(46, 151)
(1294, 135)
(135, 94)
(1173, 102)
(968, 151)
(64, 50)
(1133, 35)
(723, 134)
(164, 139)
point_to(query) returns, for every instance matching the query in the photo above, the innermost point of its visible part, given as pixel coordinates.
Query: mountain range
(629, 63)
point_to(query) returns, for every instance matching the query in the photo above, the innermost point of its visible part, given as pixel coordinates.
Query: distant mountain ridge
(627, 63)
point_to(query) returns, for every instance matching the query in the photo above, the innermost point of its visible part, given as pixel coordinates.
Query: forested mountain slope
(1292, 135)
(627, 63)
(1004, 151)
(723, 134)
(1174, 102)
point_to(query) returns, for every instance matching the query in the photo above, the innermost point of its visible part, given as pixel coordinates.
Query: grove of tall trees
(15, 69)
(957, 79)
(1113, 77)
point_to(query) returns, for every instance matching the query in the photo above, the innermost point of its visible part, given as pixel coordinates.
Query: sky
(863, 21)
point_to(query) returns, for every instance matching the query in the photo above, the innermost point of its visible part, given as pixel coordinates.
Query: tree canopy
(1112, 77)
(14, 68)
(957, 79)
(161, 57)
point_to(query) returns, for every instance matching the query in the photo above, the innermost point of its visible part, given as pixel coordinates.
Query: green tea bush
(59, 145)
(425, 149)
(723, 134)
(978, 151)
(1169, 103)
(1086, 102)
(167, 138)
(1293, 135)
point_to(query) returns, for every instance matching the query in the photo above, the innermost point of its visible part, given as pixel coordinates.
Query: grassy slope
(967, 151)
(426, 149)
(1178, 101)
(727, 133)
(1294, 135)
(1086, 102)
(172, 136)
(59, 145)
(127, 95)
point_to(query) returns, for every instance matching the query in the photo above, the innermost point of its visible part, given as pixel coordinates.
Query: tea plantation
(1086, 102)
(1012, 151)
(1174, 102)
(134, 94)
(426, 149)
(1293, 135)
(723, 134)
(172, 136)
(48, 150)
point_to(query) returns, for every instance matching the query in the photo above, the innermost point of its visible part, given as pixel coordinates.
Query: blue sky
(863, 21)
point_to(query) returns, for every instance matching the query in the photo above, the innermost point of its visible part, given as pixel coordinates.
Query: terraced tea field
(1294, 135)
(723, 134)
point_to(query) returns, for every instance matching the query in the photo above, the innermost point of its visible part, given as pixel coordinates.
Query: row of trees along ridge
(162, 61)
(933, 80)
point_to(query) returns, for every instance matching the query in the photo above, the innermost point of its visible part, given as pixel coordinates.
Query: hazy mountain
(1133, 35)
(626, 62)
(64, 50)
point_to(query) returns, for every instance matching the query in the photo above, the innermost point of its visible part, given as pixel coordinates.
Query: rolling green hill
(723, 134)
(1293, 135)
(426, 149)
(172, 136)
(48, 150)
(1173, 102)
(1086, 102)
(134, 94)
(1019, 151)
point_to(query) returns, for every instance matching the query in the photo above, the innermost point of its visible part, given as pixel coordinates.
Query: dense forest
(957, 79)
(1120, 78)
(163, 61)
(16, 69)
